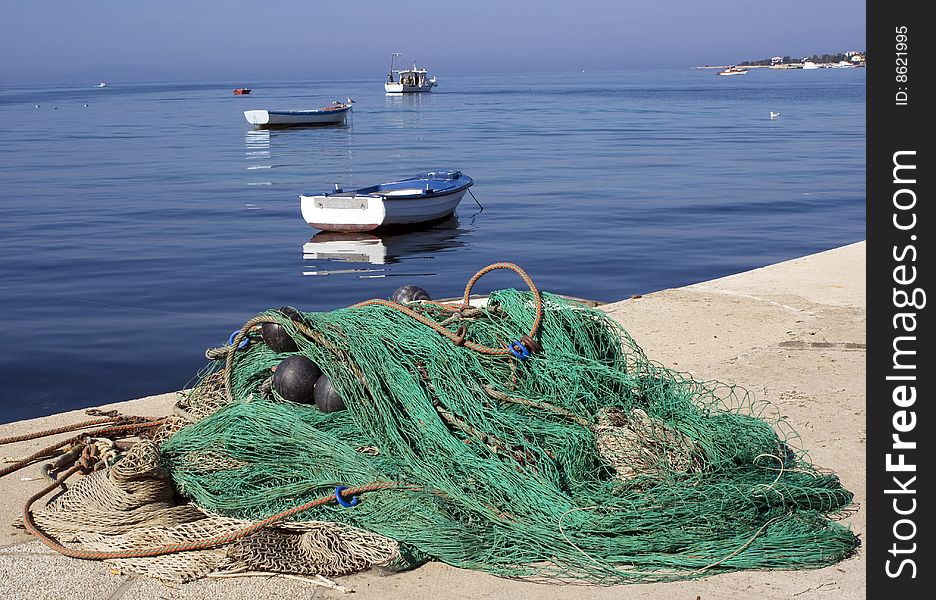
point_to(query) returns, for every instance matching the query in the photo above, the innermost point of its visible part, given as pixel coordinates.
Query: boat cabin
(409, 77)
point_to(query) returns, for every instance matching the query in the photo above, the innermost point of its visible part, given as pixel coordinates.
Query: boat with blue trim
(426, 198)
(333, 114)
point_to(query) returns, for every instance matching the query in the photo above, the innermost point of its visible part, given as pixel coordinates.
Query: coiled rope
(458, 337)
(526, 343)
(126, 426)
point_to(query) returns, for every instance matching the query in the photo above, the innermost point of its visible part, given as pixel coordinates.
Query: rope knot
(531, 344)
(90, 456)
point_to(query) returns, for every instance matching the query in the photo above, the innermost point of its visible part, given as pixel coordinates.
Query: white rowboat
(426, 198)
(327, 115)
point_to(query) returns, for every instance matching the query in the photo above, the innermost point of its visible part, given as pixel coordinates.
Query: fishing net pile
(570, 455)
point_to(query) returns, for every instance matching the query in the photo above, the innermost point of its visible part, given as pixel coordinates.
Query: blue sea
(143, 223)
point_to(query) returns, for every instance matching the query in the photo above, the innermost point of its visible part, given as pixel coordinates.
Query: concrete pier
(792, 333)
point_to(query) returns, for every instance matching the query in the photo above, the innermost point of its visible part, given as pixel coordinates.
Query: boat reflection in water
(282, 151)
(383, 247)
(257, 143)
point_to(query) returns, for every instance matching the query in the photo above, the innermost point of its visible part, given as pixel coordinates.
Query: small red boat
(241, 91)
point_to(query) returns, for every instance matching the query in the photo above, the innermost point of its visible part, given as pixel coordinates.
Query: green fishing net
(585, 461)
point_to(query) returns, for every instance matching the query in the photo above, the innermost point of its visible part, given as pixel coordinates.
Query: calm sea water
(143, 223)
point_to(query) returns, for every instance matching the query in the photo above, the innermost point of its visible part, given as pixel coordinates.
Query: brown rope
(457, 338)
(556, 410)
(203, 544)
(72, 427)
(454, 337)
(126, 429)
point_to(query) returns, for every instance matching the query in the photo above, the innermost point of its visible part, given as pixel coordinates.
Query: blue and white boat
(327, 115)
(426, 198)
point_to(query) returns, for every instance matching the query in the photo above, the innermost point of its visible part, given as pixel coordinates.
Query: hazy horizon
(109, 40)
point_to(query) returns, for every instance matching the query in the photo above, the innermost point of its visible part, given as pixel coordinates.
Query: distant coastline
(851, 58)
(789, 66)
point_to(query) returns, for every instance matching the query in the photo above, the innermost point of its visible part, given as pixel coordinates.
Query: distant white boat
(809, 65)
(408, 81)
(733, 70)
(102, 84)
(327, 115)
(428, 197)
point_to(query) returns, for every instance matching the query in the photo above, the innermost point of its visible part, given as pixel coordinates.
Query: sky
(49, 41)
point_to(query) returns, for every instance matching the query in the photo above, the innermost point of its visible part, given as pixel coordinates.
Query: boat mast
(392, 58)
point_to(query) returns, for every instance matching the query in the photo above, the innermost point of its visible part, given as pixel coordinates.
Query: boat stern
(342, 212)
(257, 117)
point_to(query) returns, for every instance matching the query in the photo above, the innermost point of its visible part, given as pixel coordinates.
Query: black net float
(409, 293)
(275, 335)
(294, 379)
(326, 398)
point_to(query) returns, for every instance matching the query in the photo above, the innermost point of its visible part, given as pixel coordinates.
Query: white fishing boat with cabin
(408, 81)
(426, 198)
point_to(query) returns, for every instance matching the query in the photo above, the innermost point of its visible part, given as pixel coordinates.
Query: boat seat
(408, 192)
(440, 175)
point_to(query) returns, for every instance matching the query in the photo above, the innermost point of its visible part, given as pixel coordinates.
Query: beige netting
(194, 405)
(636, 444)
(132, 505)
